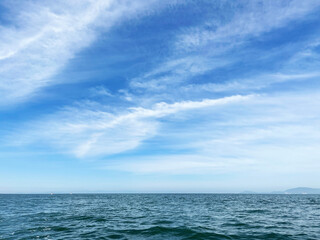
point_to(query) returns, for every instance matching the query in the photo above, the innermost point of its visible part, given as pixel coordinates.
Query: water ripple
(160, 216)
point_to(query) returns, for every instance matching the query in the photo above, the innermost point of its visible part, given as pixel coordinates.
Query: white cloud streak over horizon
(256, 132)
(265, 132)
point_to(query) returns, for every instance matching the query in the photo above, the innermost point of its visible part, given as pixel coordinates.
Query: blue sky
(159, 96)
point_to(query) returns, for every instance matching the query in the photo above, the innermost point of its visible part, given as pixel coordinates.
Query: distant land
(298, 190)
(302, 190)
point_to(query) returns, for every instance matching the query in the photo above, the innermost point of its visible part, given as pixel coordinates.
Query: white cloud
(207, 47)
(275, 134)
(89, 132)
(100, 91)
(45, 36)
(256, 18)
(175, 71)
(254, 83)
(179, 164)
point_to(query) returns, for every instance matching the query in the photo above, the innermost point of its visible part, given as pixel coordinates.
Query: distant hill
(298, 190)
(302, 190)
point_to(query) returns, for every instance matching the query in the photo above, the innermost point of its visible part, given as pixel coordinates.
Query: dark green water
(160, 216)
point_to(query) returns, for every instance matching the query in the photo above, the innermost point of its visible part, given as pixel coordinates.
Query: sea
(159, 216)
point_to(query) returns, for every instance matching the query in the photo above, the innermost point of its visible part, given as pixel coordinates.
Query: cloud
(179, 164)
(271, 134)
(100, 91)
(257, 17)
(45, 36)
(90, 132)
(175, 71)
(207, 47)
(254, 83)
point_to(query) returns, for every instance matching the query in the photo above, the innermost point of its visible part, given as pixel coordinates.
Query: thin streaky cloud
(46, 38)
(257, 17)
(264, 132)
(256, 83)
(89, 132)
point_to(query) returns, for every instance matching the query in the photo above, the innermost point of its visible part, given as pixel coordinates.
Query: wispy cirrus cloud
(269, 131)
(255, 83)
(201, 49)
(180, 164)
(175, 72)
(255, 18)
(91, 132)
(44, 36)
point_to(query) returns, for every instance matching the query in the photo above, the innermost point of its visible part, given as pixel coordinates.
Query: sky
(159, 96)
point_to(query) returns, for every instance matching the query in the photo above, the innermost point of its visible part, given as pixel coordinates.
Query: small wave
(178, 232)
(256, 211)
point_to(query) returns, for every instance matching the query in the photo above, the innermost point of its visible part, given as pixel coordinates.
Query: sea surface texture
(160, 216)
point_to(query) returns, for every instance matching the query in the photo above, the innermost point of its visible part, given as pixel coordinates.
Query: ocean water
(160, 216)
